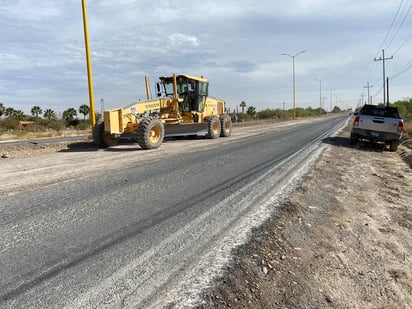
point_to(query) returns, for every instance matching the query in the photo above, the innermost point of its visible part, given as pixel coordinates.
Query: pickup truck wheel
(150, 133)
(353, 139)
(393, 146)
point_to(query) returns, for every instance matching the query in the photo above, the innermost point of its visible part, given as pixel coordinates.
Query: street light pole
(320, 93)
(294, 81)
(331, 103)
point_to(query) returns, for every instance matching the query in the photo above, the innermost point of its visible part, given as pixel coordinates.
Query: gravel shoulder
(343, 240)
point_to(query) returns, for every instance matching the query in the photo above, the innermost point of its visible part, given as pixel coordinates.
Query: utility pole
(368, 86)
(320, 93)
(362, 95)
(384, 77)
(387, 91)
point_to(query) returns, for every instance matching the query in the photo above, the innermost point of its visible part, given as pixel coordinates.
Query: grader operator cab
(182, 108)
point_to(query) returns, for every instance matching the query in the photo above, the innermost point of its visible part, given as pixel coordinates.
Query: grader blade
(199, 129)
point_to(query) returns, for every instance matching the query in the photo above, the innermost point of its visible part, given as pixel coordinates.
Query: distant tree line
(10, 118)
(404, 107)
(252, 114)
(48, 118)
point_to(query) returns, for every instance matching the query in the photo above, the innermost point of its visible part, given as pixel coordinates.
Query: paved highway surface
(147, 235)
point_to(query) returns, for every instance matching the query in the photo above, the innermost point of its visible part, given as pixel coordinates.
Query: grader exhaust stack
(148, 91)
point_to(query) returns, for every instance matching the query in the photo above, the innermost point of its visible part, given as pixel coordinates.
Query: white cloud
(182, 40)
(31, 10)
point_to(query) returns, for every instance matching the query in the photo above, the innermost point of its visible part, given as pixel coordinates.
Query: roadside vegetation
(405, 110)
(42, 122)
(249, 113)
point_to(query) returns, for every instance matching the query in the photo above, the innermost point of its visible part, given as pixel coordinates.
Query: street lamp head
(293, 56)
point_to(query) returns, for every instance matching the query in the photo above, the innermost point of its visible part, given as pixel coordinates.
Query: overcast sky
(236, 44)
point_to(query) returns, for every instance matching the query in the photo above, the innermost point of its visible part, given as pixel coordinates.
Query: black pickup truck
(377, 123)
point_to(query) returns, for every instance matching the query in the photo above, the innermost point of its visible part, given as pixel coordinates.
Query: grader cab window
(193, 92)
(168, 87)
(188, 90)
(203, 88)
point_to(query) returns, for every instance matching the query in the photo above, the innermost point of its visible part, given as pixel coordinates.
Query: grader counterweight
(183, 107)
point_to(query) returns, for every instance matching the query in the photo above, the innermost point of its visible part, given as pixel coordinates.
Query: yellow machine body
(182, 107)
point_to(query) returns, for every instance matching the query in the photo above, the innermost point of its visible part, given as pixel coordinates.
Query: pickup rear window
(380, 111)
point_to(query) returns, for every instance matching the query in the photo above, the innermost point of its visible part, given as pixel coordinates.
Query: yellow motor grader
(182, 108)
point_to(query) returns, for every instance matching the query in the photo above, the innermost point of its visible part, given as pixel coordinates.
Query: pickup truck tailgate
(379, 124)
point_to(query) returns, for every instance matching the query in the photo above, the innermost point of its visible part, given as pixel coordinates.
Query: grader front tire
(150, 133)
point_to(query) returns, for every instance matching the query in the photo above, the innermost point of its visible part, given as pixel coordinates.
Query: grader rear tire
(226, 125)
(150, 133)
(213, 127)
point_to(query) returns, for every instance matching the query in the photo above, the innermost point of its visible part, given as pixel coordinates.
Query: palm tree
(18, 114)
(9, 111)
(2, 109)
(36, 111)
(84, 109)
(243, 105)
(69, 115)
(251, 110)
(49, 114)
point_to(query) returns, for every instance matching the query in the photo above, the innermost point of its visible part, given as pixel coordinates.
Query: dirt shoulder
(344, 240)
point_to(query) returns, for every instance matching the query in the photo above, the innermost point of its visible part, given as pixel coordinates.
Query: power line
(406, 68)
(404, 42)
(397, 23)
(390, 27)
(400, 26)
(389, 37)
(378, 92)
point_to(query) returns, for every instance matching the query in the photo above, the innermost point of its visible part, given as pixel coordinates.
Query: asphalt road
(139, 236)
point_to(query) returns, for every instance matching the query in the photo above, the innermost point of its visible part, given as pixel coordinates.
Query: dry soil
(343, 240)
